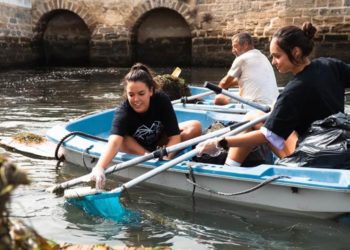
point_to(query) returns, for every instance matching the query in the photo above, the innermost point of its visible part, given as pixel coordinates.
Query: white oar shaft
(169, 149)
(192, 97)
(219, 90)
(155, 171)
(216, 108)
(183, 157)
(140, 159)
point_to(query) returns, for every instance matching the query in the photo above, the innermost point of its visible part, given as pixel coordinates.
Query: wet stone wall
(15, 34)
(159, 32)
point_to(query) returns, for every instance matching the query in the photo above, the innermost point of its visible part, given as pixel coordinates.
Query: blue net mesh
(106, 205)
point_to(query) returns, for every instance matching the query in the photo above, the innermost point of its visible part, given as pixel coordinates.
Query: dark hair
(140, 72)
(290, 37)
(243, 38)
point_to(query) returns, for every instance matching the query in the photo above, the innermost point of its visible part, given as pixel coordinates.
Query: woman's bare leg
(131, 146)
(190, 129)
(239, 154)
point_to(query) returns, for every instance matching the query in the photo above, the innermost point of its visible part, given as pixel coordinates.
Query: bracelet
(223, 144)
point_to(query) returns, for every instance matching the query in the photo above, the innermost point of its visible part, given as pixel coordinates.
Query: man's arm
(228, 82)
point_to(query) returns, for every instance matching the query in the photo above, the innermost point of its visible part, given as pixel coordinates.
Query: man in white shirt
(251, 71)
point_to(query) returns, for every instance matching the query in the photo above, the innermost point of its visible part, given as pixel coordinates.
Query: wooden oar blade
(176, 72)
(105, 205)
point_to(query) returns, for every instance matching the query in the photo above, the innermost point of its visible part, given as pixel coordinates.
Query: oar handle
(219, 90)
(185, 99)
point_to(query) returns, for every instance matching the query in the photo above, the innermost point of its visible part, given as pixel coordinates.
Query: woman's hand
(209, 147)
(98, 175)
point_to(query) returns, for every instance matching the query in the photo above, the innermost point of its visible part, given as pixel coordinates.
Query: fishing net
(105, 205)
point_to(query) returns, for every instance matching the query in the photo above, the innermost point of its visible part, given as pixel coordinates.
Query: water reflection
(35, 100)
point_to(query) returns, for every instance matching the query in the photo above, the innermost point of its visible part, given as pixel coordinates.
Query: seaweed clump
(14, 234)
(28, 138)
(174, 87)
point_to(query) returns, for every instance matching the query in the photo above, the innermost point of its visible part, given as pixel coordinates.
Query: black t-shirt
(149, 127)
(313, 94)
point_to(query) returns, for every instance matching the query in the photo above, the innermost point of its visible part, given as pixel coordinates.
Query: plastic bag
(326, 144)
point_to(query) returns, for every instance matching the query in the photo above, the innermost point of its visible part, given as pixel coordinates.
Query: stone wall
(332, 18)
(114, 27)
(262, 17)
(15, 33)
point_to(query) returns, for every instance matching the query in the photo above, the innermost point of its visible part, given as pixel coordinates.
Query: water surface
(37, 99)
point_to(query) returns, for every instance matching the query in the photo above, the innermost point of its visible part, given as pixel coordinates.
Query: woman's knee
(251, 115)
(190, 129)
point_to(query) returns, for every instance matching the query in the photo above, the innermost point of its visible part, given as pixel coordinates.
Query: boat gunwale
(240, 173)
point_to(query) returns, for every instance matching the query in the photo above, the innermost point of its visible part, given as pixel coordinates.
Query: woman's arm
(251, 139)
(113, 146)
(97, 173)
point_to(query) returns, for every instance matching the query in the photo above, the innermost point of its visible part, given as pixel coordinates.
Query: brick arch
(181, 8)
(44, 9)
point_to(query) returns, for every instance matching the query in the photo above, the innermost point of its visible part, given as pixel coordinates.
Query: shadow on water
(35, 100)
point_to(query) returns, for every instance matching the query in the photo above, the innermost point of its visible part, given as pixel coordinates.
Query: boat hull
(290, 195)
(322, 193)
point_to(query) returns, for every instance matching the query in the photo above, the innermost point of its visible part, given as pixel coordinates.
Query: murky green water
(35, 100)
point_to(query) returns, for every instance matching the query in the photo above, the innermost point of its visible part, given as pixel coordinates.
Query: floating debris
(174, 87)
(28, 138)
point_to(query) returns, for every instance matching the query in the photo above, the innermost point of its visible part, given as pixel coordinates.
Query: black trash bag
(326, 144)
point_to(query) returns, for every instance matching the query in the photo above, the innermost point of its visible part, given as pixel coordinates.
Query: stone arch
(182, 8)
(162, 38)
(71, 51)
(65, 40)
(40, 11)
(163, 47)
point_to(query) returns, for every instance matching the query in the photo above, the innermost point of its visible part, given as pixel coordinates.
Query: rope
(260, 185)
(190, 173)
(86, 151)
(61, 158)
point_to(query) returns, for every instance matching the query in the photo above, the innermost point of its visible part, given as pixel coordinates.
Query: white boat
(323, 193)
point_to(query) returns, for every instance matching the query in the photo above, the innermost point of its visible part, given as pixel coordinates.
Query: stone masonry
(15, 33)
(118, 32)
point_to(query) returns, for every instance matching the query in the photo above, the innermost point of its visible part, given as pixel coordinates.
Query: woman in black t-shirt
(315, 92)
(145, 120)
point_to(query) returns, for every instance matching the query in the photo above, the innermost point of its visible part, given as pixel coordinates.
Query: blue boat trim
(302, 177)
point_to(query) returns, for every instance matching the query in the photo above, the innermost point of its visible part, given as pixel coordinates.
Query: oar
(183, 157)
(219, 90)
(155, 154)
(216, 108)
(176, 72)
(185, 99)
(110, 207)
